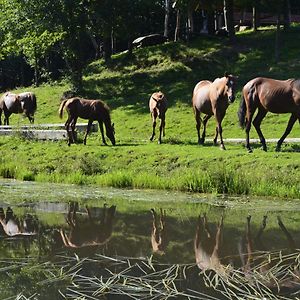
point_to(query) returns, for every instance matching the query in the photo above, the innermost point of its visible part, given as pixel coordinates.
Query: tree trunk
(255, 16)
(167, 16)
(228, 17)
(177, 29)
(287, 14)
(190, 21)
(36, 70)
(277, 40)
(210, 22)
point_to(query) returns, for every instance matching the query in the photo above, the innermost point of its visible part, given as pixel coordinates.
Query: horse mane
(295, 83)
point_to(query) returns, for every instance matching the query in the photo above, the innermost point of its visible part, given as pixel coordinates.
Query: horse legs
(161, 128)
(102, 132)
(256, 123)
(248, 127)
(154, 116)
(205, 120)
(73, 126)
(290, 239)
(198, 125)
(219, 118)
(67, 126)
(88, 128)
(289, 127)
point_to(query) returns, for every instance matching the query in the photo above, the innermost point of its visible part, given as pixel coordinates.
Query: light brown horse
(266, 94)
(159, 234)
(91, 232)
(18, 103)
(93, 110)
(213, 98)
(158, 108)
(208, 247)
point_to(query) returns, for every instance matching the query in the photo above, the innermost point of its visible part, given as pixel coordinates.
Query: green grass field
(179, 163)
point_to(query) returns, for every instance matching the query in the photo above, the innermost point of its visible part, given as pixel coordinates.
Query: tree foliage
(66, 34)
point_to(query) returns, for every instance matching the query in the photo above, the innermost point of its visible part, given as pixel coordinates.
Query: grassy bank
(183, 167)
(179, 163)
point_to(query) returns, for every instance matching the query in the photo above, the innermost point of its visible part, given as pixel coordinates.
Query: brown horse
(91, 232)
(158, 108)
(212, 98)
(18, 103)
(158, 234)
(87, 109)
(266, 94)
(13, 226)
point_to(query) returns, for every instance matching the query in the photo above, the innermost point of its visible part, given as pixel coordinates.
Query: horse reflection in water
(207, 246)
(276, 272)
(159, 235)
(14, 226)
(269, 267)
(90, 232)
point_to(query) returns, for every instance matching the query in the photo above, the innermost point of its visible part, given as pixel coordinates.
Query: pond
(73, 242)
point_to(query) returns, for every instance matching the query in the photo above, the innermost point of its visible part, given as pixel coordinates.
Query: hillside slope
(126, 85)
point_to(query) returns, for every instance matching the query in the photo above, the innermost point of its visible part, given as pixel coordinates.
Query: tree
(228, 17)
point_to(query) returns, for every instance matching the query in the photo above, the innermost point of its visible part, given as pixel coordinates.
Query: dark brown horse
(266, 94)
(213, 98)
(158, 108)
(93, 110)
(91, 232)
(18, 103)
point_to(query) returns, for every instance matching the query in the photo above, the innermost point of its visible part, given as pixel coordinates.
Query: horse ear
(226, 74)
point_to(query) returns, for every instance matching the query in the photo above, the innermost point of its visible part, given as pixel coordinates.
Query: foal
(158, 108)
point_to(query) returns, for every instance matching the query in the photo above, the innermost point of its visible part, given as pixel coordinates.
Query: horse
(269, 95)
(13, 226)
(213, 98)
(158, 108)
(18, 103)
(87, 109)
(91, 232)
(158, 234)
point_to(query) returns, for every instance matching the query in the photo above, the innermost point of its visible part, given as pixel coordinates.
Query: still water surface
(73, 242)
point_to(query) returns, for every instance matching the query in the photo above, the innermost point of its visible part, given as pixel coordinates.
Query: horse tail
(33, 98)
(242, 112)
(61, 108)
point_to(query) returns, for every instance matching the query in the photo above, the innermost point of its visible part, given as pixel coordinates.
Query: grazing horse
(18, 103)
(158, 234)
(266, 94)
(158, 108)
(213, 98)
(91, 232)
(87, 109)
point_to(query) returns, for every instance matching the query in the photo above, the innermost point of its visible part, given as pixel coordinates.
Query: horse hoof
(158, 142)
(222, 147)
(250, 151)
(277, 149)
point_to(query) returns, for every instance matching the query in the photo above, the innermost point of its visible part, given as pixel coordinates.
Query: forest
(43, 40)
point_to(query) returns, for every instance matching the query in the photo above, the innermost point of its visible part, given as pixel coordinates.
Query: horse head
(230, 86)
(110, 133)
